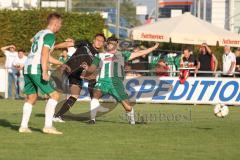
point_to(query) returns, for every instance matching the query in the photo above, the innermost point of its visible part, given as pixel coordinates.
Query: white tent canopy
(186, 29)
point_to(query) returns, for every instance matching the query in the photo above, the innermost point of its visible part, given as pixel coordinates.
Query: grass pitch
(171, 132)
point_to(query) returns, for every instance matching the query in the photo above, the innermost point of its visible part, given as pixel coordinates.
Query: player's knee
(32, 102)
(126, 106)
(128, 109)
(55, 95)
(32, 99)
(75, 96)
(97, 94)
(94, 103)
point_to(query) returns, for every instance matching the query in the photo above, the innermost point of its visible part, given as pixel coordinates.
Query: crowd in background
(203, 64)
(14, 63)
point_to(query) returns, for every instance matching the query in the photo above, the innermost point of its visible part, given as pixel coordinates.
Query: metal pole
(195, 7)
(69, 5)
(204, 9)
(156, 10)
(66, 5)
(199, 9)
(117, 17)
(39, 4)
(231, 15)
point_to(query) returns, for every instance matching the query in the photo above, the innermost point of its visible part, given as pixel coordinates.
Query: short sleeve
(6, 52)
(233, 58)
(126, 55)
(96, 60)
(49, 40)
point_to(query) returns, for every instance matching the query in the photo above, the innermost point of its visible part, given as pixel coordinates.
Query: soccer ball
(221, 110)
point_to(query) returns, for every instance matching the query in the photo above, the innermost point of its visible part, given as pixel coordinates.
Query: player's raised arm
(54, 61)
(143, 52)
(68, 43)
(3, 49)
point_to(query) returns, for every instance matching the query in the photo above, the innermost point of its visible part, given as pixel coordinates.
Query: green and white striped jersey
(33, 63)
(111, 65)
(153, 61)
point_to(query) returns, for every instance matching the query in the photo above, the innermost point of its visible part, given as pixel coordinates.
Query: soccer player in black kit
(84, 54)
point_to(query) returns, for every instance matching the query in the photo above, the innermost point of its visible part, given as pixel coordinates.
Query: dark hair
(100, 35)
(146, 17)
(113, 38)
(52, 16)
(65, 49)
(161, 60)
(186, 49)
(21, 50)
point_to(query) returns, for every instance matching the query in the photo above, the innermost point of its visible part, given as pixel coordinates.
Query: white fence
(196, 90)
(4, 82)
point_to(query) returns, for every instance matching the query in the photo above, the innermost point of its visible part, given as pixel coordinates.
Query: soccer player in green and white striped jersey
(111, 76)
(36, 74)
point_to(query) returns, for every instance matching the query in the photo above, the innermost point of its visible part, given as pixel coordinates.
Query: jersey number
(35, 45)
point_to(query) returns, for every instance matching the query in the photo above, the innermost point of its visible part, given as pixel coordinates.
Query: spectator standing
(18, 63)
(162, 68)
(10, 53)
(170, 61)
(148, 20)
(229, 62)
(153, 62)
(187, 60)
(206, 61)
(237, 53)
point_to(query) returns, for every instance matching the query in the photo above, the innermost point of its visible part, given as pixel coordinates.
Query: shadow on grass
(85, 118)
(39, 115)
(120, 122)
(204, 128)
(69, 117)
(5, 123)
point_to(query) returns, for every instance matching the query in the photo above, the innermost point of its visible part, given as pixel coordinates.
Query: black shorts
(76, 80)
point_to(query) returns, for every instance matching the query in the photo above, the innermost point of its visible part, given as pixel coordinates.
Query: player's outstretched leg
(49, 112)
(27, 110)
(75, 92)
(129, 111)
(58, 117)
(121, 96)
(95, 106)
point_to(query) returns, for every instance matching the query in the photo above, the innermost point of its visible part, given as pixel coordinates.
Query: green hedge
(18, 27)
